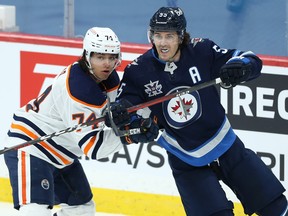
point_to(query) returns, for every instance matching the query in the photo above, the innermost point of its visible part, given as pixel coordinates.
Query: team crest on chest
(153, 88)
(182, 110)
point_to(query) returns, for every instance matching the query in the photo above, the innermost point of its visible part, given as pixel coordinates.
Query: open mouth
(164, 50)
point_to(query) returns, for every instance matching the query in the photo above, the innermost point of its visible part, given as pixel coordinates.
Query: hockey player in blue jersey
(49, 172)
(201, 145)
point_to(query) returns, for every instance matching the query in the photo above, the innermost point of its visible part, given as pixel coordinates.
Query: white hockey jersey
(73, 98)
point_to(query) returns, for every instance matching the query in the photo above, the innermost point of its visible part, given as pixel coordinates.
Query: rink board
(137, 180)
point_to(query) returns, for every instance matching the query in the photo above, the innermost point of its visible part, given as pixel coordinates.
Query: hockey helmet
(168, 19)
(101, 40)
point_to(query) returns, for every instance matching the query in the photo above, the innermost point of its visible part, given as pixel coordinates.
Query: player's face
(167, 44)
(103, 64)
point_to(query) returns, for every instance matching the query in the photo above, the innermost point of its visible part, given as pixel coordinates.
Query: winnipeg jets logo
(153, 88)
(182, 110)
(182, 107)
(194, 41)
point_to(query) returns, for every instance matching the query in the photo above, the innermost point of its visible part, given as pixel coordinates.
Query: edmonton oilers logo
(182, 110)
(45, 184)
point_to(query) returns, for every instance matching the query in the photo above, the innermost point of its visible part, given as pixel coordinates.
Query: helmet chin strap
(178, 49)
(96, 78)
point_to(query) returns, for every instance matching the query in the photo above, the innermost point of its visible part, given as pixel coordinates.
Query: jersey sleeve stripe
(24, 137)
(98, 144)
(34, 136)
(89, 145)
(42, 133)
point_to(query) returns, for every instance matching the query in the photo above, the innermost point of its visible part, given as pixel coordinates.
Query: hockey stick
(130, 110)
(49, 136)
(175, 94)
(116, 130)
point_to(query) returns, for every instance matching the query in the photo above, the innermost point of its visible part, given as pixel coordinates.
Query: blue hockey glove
(119, 113)
(235, 71)
(149, 130)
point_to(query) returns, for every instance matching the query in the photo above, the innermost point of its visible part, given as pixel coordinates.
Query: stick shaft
(130, 110)
(175, 94)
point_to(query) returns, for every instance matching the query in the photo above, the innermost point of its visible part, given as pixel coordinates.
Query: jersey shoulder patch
(195, 41)
(141, 58)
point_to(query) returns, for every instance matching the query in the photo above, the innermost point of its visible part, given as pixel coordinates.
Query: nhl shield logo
(182, 110)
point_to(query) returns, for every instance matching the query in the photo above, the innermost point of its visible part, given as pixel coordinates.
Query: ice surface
(7, 209)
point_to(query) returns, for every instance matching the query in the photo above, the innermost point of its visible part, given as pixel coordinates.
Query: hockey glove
(235, 71)
(119, 113)
(148, 128)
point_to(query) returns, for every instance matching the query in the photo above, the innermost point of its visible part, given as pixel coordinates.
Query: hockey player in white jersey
(49, 173)
(201, 145)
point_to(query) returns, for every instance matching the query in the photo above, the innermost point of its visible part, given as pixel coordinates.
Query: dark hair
(83, 63)
(186, 39)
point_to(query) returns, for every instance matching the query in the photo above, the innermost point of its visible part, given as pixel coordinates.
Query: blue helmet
(169, 19)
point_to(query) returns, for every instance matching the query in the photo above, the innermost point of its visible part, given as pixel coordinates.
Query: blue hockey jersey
(196, 128)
